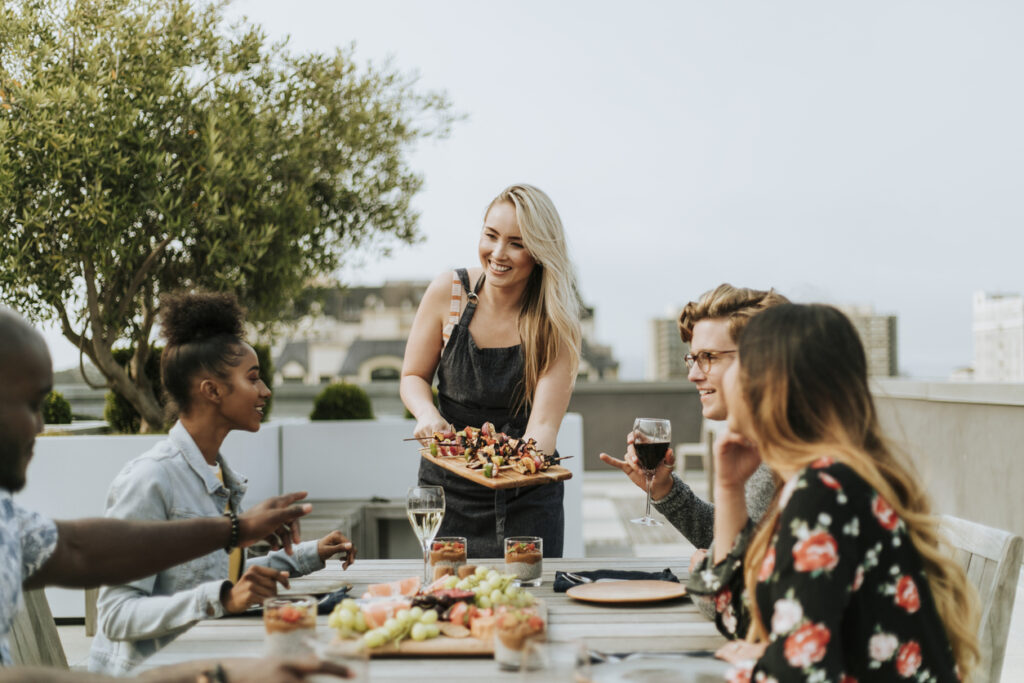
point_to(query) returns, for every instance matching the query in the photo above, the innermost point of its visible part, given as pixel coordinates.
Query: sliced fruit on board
(404, 587)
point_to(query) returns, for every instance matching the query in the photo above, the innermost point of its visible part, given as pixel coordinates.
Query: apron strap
(467, 315)
(460, 282)
(453, 310)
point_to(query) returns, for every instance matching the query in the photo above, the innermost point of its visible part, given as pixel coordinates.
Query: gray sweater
(695, 518)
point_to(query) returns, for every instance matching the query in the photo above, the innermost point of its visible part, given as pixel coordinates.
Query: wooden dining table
(658, 627)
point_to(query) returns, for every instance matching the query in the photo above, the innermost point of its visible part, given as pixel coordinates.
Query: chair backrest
(34, 639)
(992, 560)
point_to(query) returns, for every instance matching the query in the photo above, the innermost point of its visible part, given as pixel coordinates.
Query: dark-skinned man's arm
(91, 552)
(243, 670)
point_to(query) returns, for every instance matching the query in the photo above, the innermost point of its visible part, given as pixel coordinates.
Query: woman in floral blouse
(848, 578)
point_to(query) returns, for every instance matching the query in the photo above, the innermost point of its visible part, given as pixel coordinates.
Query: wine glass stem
(426, 555)
(650, 483)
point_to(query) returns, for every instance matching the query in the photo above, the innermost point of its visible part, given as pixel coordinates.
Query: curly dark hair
(204, 332)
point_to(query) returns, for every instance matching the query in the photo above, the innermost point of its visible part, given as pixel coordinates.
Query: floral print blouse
(841, 590)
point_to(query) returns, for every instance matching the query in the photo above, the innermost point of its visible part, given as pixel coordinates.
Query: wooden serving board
(441, 646)
(506, 479)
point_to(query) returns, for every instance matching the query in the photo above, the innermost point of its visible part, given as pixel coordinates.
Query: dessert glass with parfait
(291, 625)
(524, 557)
(518, 632)
(447, 555)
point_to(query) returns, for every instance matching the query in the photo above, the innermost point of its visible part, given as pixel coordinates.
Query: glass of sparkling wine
(651, 437)
(425, 507)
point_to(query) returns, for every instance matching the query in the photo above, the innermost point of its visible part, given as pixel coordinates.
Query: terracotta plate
(627, 591)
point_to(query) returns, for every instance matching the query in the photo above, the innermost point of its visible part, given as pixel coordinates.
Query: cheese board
(441, 646)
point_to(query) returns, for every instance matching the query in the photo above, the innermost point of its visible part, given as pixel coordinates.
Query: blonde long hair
(803, 373)
(549, 318)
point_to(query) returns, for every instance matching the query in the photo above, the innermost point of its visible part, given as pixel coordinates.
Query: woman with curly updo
(213, 377)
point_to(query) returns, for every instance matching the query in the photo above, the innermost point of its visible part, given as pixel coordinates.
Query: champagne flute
(651, 437)
(425, 507)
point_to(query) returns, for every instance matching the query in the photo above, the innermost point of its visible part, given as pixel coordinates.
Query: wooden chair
(702, 451)
(992, 560)
(34, 638)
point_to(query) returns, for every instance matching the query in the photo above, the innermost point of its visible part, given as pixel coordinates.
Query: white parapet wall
(966, 440)
(69, 475)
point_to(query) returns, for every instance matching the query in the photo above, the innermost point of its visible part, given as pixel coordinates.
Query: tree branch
(142, 348)
(140, 277)
(93, 305)
(81, 342)
(139, 396)
(65, 323)
(82, 352)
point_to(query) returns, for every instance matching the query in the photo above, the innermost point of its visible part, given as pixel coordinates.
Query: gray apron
(481, 385)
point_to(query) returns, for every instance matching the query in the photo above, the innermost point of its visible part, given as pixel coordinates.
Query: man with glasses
(711, 326)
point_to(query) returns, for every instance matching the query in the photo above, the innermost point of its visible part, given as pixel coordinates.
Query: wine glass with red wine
(651, 437)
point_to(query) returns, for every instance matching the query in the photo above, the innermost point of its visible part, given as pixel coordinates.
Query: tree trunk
(136, 391)
(139, 394)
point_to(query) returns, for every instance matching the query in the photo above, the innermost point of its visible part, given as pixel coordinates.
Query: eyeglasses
(704, 359)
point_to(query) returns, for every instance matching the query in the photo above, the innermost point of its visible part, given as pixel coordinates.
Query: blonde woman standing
(844, 580)
(504, 341)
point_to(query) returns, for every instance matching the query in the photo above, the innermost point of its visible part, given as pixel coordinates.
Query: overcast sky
(859, 152)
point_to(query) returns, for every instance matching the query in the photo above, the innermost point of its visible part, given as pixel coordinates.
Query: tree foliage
(146, 146)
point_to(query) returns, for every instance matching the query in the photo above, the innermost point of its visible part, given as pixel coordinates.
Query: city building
(665, 350)
(878, 334)
(358, 334)
(998, 330)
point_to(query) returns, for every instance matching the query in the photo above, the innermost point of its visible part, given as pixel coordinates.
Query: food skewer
(550, 458)
(488, 450)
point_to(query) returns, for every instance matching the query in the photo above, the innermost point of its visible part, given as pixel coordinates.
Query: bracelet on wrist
(235, 531)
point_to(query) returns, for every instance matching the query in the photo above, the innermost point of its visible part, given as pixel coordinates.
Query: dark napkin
(325, 603)
(597, 657)
(564, 583)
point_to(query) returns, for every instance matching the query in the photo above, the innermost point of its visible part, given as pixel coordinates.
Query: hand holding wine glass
(651, 438)
(425, 507)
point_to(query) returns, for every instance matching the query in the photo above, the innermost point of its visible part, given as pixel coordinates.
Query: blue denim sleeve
(188, 592)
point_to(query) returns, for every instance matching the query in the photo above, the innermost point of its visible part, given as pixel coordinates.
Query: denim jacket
(173, 481)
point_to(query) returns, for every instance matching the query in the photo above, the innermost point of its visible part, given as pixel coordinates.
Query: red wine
(650, 454)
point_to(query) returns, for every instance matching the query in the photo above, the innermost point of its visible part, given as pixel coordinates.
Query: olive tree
(147, 145)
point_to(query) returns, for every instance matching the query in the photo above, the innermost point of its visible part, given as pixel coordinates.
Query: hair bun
(194, 316)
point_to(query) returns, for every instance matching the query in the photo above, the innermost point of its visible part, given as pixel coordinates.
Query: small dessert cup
(524, 557)
(291, 625)
(518, 636)
(447, 555)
